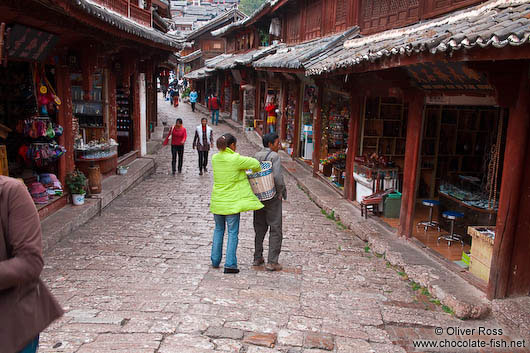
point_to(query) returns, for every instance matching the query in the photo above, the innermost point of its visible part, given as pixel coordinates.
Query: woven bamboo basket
(262, 182)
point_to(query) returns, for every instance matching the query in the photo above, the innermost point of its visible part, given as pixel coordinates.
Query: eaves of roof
(127, 25)
(295, 56)
(216, 21)
(495, 23)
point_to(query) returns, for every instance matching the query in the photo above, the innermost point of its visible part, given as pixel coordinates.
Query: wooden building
(427, 98)
(99, 68)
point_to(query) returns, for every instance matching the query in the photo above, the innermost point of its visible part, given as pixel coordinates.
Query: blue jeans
(32, 346)
(215, 116)
(218, 236)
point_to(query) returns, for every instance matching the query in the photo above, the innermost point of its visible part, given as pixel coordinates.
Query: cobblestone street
(139, 279)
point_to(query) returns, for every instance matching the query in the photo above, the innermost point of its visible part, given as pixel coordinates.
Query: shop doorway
(460, 174)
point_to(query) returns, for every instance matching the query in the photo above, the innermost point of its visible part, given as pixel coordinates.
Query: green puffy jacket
(231, 192)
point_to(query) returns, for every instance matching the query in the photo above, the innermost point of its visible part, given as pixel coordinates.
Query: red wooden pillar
(136, 111)
(296, 137)
(317, 130)
(113, 120)
(512, 179)
(285, 92)
(64, 90)
(353, 142)
(416, 101)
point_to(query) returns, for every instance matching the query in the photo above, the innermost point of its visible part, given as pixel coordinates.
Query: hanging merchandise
(47, 100)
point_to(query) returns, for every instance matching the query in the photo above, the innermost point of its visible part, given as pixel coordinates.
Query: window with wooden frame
(341, 15)
(293, 28)
(436, 7)
(380, 15)
(313, 19)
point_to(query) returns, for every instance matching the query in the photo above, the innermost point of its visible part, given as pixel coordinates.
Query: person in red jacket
(213, 104)
(178, 136)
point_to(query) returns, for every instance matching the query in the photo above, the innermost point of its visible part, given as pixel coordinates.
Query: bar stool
(451, 216)
(430, 223)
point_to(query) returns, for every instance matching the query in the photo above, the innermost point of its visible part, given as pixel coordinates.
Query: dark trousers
(192, 106)
(174, 150)
(203, 159)
(269, 218)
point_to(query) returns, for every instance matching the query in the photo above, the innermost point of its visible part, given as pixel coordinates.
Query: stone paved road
(138, 279)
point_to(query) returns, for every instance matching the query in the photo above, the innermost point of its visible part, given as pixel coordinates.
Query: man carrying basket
(271, 214)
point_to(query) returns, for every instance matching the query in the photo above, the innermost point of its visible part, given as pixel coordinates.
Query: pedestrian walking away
(193, 99)
(26, 304)
(203, 140)
(231, 195)
(213, 105)
(174, 94)
(178, 136)
(269, 218)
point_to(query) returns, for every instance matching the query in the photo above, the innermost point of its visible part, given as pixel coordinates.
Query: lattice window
(437, 7)
(293, 28)
(379, 15)
(340, 12)
(313, 20)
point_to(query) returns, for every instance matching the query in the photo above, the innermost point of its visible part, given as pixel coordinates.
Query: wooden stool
(370, 203)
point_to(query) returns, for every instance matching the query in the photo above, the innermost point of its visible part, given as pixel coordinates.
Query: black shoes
(205, 170)
(200, 172)
(231, 270)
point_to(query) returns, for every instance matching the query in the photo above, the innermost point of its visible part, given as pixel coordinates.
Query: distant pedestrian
(213, 105)
(269, 218)
(26, 305)
(193, 99)
(231, 195)
(164, 90)
(174, 94)
(178, 136)
(203, 140)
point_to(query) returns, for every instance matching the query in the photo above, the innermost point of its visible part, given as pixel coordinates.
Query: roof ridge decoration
(495, 23)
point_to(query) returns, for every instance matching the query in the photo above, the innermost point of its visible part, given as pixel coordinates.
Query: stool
(451, 216)
(430, 223)
(370, 203)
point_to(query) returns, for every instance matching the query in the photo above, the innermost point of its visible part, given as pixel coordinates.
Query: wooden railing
(129, 10)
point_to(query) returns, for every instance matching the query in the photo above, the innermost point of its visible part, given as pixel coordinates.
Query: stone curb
(466, 301)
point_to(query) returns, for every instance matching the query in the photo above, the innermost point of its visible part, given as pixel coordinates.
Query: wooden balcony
(130, 10)
(381, 15)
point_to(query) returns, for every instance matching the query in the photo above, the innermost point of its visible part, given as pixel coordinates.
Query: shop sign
(30, 44)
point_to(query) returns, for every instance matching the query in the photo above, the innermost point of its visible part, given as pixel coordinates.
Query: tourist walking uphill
(231, 195)
(269, 218)
(26, 305)
(178, 136)
(203, 140)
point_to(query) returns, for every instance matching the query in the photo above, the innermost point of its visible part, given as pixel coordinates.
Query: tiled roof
(125, 24)
(191, 56)
(231, 61)
(496, 23)
(294, 56)
(233, 14)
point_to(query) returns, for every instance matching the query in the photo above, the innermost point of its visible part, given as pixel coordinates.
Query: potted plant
(122, 169)
(76, 182)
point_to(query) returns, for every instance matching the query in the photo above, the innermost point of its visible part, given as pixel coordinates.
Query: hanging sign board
(29, 44)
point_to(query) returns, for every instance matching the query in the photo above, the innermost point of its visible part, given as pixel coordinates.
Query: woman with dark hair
(231, 195)
(178, 136)
(202, 141)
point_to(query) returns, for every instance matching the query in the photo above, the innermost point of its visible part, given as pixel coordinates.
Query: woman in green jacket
(231, 195)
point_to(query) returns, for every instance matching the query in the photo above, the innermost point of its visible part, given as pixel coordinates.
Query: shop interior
(29, 129)
(459, 184)
(335, 120)
(309, 106)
